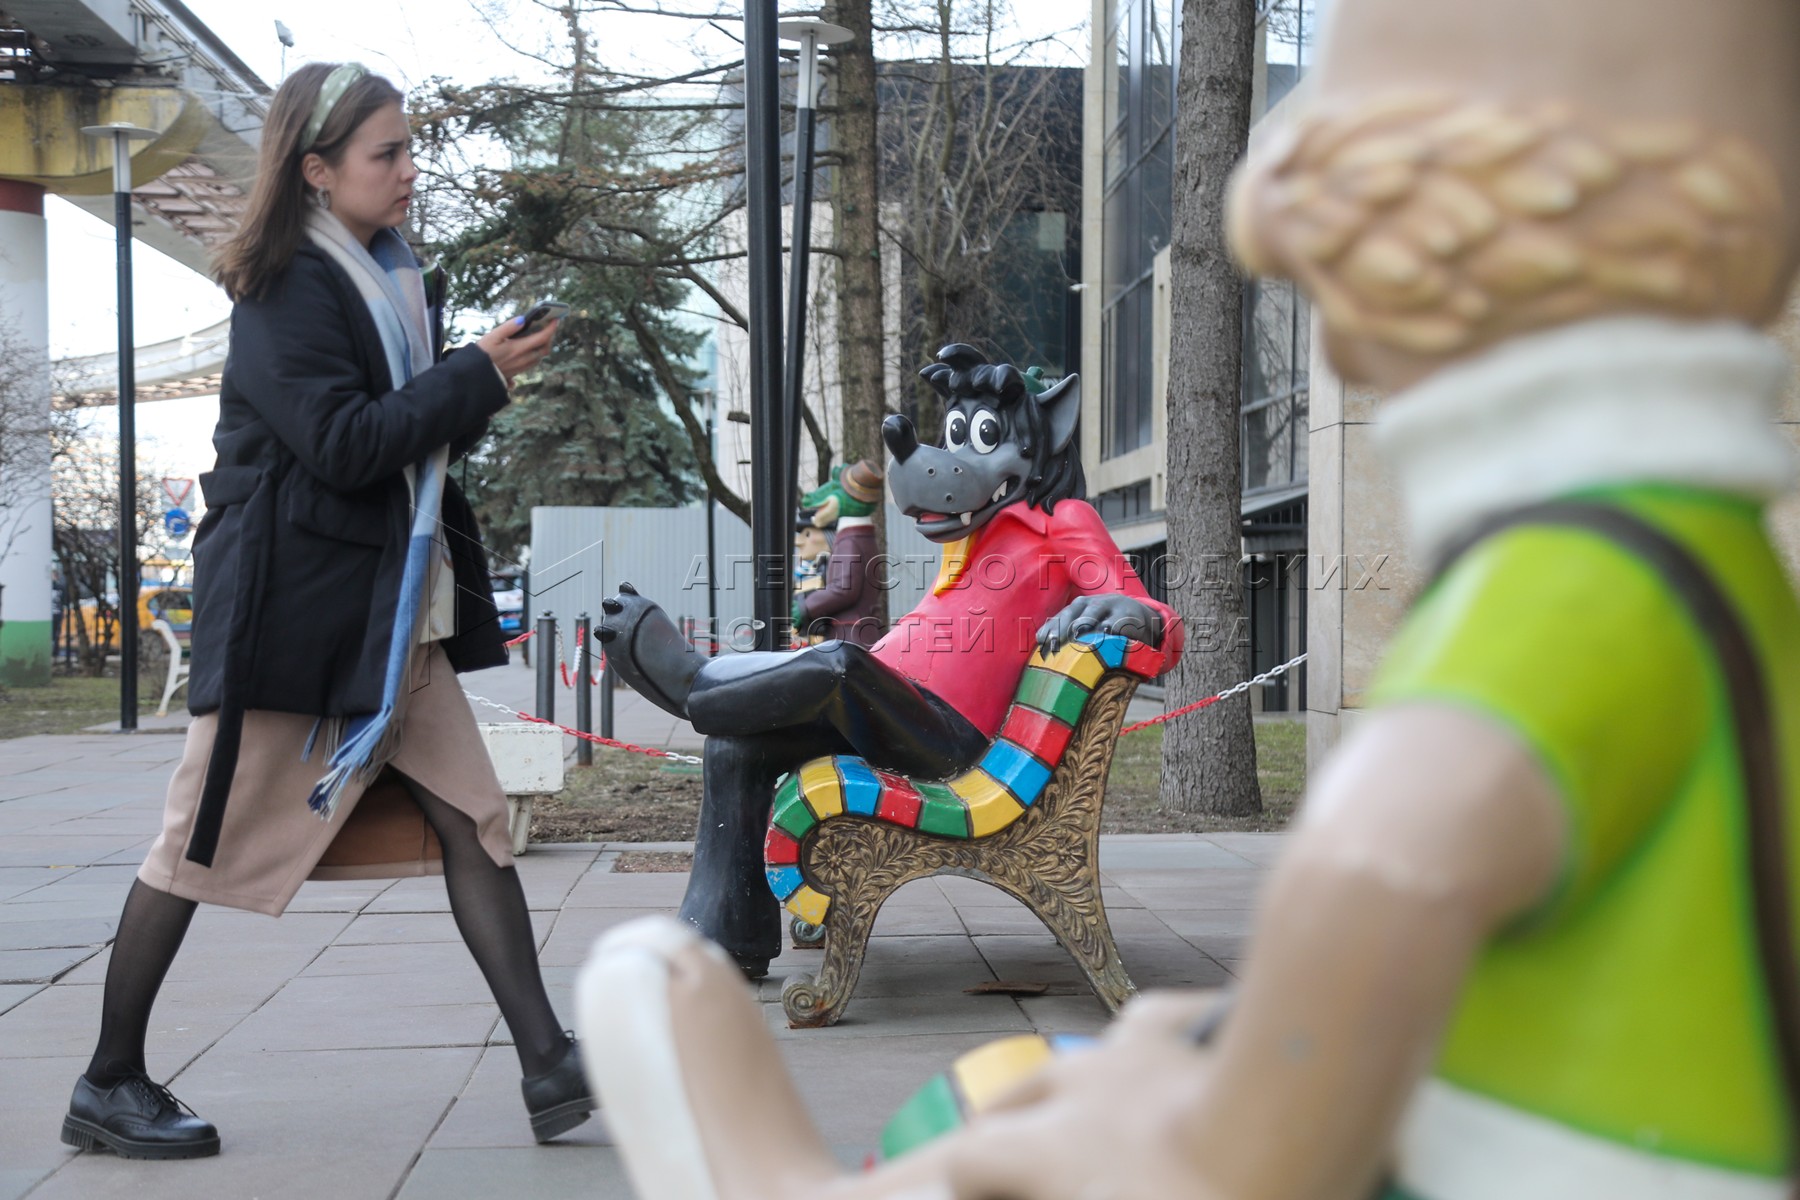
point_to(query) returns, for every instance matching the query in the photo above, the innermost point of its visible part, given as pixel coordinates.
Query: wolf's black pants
(764, 715)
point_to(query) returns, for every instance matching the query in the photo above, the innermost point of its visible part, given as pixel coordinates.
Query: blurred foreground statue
(1533, 938)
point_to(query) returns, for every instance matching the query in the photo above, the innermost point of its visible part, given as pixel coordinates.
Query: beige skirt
(271, 842)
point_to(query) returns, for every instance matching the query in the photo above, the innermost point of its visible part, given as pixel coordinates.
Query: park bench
(844, 835)
(178, 667)
(528, 758)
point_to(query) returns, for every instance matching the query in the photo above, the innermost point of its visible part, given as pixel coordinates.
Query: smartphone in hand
(541, 315)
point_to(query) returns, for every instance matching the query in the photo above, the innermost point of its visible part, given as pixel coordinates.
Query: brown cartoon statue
(842, 600)
(812, 558)
(1534, 935)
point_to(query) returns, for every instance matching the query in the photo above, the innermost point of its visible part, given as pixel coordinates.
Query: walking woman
(339, 585)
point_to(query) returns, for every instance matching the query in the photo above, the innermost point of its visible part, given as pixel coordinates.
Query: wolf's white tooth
(967, 517)
(999, 493)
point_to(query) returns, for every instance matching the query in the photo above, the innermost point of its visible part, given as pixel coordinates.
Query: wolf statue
(1026, 563)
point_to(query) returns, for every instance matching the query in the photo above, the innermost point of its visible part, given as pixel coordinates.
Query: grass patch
(70, 704)
(627, 797)
(1134, 788)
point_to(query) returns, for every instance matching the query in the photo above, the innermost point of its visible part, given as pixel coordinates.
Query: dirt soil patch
(646, 861)
(627, 797)
(623, 797)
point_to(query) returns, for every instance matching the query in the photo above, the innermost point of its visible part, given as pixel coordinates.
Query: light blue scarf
(389, 279)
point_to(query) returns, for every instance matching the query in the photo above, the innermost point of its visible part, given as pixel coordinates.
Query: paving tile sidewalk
(350, 1049)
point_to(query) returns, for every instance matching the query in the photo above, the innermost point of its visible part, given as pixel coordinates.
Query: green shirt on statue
(1625, 1020)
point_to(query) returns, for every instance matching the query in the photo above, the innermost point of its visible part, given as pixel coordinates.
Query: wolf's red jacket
(970, 642)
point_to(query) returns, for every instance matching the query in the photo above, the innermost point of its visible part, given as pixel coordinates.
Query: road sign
(178, 491)
(177, 522)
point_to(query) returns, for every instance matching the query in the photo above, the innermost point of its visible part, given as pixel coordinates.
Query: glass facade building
(1139, 190)
(1132, 115)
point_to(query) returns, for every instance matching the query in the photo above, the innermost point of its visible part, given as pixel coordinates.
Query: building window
(1142, 63)
(1037, 257)
(1124, 504)
(1277, 321)
(1140, 161)
(1277, 347)
(1151, 565)
(1289, 27)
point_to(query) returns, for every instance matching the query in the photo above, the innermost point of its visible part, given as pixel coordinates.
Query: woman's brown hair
(275, 218)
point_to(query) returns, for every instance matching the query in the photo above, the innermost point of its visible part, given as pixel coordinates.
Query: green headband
(336, 84)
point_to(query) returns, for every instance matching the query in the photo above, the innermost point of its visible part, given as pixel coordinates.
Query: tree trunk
(1209, 759)
(856, 235)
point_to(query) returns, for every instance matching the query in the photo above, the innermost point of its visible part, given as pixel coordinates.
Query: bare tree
(24, 431)
(85, 531)
(982, 149)
(1210, 765)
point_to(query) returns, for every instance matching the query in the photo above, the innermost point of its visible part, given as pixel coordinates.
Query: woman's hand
(514, 355)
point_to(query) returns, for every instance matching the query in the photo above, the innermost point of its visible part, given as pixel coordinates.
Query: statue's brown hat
(862, 481)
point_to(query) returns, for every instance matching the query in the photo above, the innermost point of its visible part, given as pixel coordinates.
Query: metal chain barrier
(586, 737)
(1196, 706)
(1227, 694)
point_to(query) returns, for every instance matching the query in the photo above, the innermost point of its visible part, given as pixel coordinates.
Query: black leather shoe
(136, 1118)
(559, 1099)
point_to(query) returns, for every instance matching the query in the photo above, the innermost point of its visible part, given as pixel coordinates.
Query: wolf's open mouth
(931, 523)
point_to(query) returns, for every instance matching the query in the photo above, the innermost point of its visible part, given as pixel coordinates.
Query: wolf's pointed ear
(1062, 404)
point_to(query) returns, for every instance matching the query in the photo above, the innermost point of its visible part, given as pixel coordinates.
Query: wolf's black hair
(964, 373)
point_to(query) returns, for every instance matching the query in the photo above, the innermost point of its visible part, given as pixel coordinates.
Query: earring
(324, 199)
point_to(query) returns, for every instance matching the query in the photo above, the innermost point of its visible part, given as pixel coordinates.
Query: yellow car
(171, 603)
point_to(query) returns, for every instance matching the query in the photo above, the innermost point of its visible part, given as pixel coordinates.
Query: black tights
(486, 900)
(150, 932)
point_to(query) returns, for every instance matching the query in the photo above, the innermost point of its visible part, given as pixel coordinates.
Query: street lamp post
(121, 135)
(712, 553)
(771, 543)
(811, 35)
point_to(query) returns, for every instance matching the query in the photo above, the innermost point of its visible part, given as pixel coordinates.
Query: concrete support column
(1359, 576)
(25, 546)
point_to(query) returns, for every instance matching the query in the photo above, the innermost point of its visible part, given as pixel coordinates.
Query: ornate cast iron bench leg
(1048, 860)
(1054, 868)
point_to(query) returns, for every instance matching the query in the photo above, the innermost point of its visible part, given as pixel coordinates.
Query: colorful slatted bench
(844, 835)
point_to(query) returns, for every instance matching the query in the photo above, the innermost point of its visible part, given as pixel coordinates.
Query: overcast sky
(410, 41)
